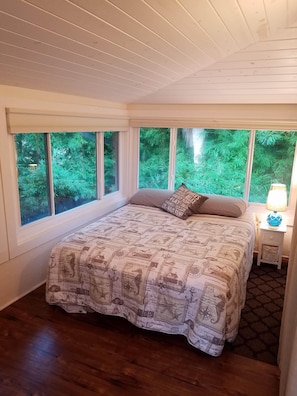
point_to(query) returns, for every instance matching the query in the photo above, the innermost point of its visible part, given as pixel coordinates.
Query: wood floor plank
(46, 352)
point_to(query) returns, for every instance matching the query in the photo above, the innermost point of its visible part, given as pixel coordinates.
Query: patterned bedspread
(159, 272)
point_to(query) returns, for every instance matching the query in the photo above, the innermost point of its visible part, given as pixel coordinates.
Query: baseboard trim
(22, 295)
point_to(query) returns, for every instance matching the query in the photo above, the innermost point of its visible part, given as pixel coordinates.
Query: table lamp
(277, 202)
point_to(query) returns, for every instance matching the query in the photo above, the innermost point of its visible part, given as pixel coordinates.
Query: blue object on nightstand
(274, 219)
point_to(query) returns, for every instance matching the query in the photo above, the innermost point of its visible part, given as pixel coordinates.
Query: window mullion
(172, 158)
(293, 190)
(100, 164)
(249, 166)
(50, 174)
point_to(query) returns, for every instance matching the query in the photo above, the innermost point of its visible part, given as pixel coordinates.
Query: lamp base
(274, 219)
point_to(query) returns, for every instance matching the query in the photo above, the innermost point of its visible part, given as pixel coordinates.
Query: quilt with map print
(159, 272)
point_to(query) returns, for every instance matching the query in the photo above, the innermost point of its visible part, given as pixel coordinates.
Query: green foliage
(273, 161)
(219, 166)
(32, 176)
(74, 171)
(154, 157)
(111, 141)
(228, 166)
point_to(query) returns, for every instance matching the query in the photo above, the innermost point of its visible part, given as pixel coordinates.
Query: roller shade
(233, 116)
(213, 123)
(26, 121)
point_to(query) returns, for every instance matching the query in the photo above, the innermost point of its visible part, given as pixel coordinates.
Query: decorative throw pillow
(183, 202)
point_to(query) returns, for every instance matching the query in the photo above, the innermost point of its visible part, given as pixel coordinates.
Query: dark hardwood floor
(45, 351)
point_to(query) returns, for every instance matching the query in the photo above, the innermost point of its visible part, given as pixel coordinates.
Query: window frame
(3, 232)
(100, 173)
(25, 237)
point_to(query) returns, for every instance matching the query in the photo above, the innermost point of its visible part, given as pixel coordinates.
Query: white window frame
(29, 236)
(3, 234)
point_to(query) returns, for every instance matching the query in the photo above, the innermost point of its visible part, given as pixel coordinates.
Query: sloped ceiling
(152, 51)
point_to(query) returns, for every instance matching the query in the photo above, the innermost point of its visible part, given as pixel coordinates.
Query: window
(74, 169)
(211, 160)
(154, 157)
(33, 176)
(240, 163)
(58, 171)
(111, 160)
(273, 162)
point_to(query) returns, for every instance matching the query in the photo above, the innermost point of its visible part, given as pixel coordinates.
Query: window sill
(35, 234)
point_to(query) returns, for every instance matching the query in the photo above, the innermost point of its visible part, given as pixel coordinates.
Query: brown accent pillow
(183, 202)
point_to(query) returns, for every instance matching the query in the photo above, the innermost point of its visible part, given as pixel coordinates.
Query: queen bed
(159, 271)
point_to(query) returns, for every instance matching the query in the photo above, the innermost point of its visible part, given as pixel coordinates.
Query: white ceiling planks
(74, 39)
(235, 21)
(183, 36)
(153, 51)
(122, 38)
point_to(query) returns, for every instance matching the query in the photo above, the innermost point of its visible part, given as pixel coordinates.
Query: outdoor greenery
(154, 157)
(207, 160)
(32, 176)
(219, 165)
(273, 162)
(111, 172)
(73, 169)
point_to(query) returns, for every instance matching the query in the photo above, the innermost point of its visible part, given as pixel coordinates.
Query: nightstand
(271, 240)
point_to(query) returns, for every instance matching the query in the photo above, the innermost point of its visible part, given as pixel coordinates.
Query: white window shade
(31, 121)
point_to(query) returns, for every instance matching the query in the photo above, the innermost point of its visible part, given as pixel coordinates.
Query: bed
(159, 271)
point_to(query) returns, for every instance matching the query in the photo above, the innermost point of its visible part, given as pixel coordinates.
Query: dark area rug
(259, 329)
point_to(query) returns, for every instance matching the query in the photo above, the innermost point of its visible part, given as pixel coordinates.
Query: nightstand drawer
(270, 246)
(271, 237)
(270, 253)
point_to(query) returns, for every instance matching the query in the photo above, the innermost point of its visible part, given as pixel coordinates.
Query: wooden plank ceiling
(152, 51)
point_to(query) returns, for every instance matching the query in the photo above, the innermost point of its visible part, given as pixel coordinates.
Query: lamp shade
(277, 198)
